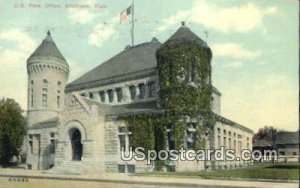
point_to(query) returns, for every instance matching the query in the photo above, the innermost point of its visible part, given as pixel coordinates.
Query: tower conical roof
(185, 35)
(48, 48)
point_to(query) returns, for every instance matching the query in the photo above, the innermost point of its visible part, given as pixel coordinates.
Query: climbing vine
(184, 92)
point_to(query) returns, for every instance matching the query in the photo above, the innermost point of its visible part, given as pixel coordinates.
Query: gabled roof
(48, 48)
(131, 59)
(287, 138)
(184, 34)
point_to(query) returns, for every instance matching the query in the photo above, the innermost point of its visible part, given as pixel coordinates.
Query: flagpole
(132, 24)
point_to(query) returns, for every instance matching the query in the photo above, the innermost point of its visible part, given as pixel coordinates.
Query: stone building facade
(75, 127)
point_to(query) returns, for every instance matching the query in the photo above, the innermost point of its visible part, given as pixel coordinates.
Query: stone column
(137, 92)
(126, 94)
(115, 97)
(96, 96)
(146, 91)
(106, 99)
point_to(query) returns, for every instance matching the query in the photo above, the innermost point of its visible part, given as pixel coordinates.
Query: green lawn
(282, 171)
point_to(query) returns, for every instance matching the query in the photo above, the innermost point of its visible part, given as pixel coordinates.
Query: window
(110, 95)
(31, 98)
(224, 143)
(83, 94)
(219, 130)
(239, 146)
(124, 134)
(45, 81)
(219, 141)
(58, 101)
(282, 153)
(294, 153)
(31, 93)
(102, 96)
(171, 141)
(122, 142)
(190, 136)
(121, 168)
(234, 144)
(229, 143)
(29, 166)
(44, 95)
(91, 95)
(44, 100)
(52, 142)
(152, 89)
(224, 132)
(52, 146)
(132, 90)
(119, 94)
(30, 143)
(130, 168)
(142, 89)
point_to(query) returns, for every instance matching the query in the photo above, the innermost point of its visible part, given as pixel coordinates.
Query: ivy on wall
(184, 92)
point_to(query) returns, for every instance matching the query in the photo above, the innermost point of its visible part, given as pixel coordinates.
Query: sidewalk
(142, 180)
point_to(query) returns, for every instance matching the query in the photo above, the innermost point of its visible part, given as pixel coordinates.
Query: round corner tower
(48, 73)
(184, 68)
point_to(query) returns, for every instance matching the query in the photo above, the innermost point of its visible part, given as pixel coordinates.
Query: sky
(255, 46)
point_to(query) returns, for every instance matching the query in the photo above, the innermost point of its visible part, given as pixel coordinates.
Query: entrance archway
(75, 137)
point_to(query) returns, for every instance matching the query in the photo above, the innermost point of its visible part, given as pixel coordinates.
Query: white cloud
(242, 18)
(18, 46)
(234, 64)
(233, 50)
(81, 16)
(273, 101)
(103, 31)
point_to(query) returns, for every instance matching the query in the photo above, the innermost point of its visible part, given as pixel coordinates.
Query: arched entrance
(75, 137)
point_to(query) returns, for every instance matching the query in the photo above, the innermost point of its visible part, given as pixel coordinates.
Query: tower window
(31, 93)
(45, 81)
(58, 101)
(44, 100)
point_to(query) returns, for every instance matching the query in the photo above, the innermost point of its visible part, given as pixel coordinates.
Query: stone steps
(68, 167)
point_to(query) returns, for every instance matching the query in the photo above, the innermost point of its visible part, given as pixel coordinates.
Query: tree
(267, 133)
(12, 130)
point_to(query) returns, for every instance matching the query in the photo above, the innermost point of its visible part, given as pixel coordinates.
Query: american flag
(124, 15)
